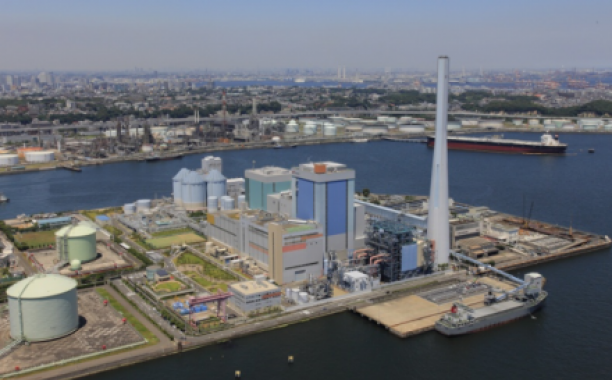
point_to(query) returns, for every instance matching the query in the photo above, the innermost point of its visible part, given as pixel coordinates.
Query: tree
(366, 192)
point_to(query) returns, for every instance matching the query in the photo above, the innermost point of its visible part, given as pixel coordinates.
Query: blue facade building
(324, 192)
(259, 183)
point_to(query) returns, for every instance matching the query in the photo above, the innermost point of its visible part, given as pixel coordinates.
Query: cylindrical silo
(310, 129)
(129, 208)
(9, 159)
(143, 205)
(43, 307)
(193, 191)
(216, 184)
(177, 185)
(329, 129)
(227, 203)
(212, 203)
(76, 242)
(241, 201)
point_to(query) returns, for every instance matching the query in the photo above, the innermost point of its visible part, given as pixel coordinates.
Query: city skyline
(71, 36)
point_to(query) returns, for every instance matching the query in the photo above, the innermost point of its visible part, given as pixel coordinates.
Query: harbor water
(568, 339)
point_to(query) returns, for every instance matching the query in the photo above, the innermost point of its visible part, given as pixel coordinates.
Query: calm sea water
(571, 338)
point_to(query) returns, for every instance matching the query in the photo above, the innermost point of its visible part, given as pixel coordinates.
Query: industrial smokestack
(437, 219)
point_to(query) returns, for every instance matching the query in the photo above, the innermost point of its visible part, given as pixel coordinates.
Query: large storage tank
(213, 204)
(143, 205)
(177, 185)
(534, 122)
(411, 128)
(490, 124)
(310, 128)
(241, 201)
(375, 130)
(129, 208)
(42, 156)
(76, 242)
(608, 127)
(216, 184)
(9, 159)
(193, 191)
(227, 203)
(292, 127)
(329, 129)
(43, 307)
(452, 125)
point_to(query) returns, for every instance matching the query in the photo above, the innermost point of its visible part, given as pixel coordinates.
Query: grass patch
(207, 268)
(169, 286)
(148, 335)
(36, 239)
(180, 231)
(91, 214)
(167, 241)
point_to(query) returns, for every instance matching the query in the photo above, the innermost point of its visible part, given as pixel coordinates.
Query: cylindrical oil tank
(216, 183)
(411, 128)
(212, 203)
(143, 205)
(608, 127)
(517, 121)
(490, 124)
(288, 293)
(147, 148)
(590, 127)
(276, 139)
(310, 129)
(452, 125)
(329, 129)
(292, 127)
(227, 203)
(295, 294)
(534, 122)
(193, 191)
(9, 159)
(177, 186)
(303, 297)
(209, 247)
(241, 200)
(375, 129)
(129, 208)
(43, 307)
(42, 156)
(76, 242)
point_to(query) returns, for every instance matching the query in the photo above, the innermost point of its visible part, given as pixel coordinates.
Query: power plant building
(43, 307)
(212, 163)
(255, 296)
(264, 181)
(324, 192)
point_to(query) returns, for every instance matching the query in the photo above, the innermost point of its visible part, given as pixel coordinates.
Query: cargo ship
(547, 144)
(497, 310)
(163, 158)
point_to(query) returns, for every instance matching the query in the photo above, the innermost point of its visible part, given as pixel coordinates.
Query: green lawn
(207, 268)
(167, 241)
(148, 335)
(169, 286)
(35, 239)
(209, 285)
(180, 231)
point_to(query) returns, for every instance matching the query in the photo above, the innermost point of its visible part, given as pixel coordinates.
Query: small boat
(277, 146)
(294, 146)
(592, 150)
(4, 198)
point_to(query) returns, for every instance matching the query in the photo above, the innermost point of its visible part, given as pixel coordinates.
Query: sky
(65, 35)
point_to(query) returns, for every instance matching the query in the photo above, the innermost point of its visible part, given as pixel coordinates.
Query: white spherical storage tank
(42, 156)
(292, 127)
(43, 307)
(9, 159)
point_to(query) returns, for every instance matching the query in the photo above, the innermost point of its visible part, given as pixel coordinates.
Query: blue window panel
(336, 208)
(305, 199)
(268, 188)
(409, 257)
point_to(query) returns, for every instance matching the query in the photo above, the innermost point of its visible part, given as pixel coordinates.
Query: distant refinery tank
(517, 121)
(310, 128)
(42, 156)
(292, 127)
(241, 201)
(490, 124)
(129, 208)
(353, 128)
(216, 184)
(177, 186)
(193, 191)
(43, 307)
(411, 128)
(212, 203)
(147, 149)
(143, 205)
(452, 125)
(76, 242)
(9, 159)
(329, 129)
(209, 163)
(534, 122)
(379, 129)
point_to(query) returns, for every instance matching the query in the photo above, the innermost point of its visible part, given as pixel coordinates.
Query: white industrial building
(255, 296)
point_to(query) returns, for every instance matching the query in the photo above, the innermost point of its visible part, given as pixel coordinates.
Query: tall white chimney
(437, 219)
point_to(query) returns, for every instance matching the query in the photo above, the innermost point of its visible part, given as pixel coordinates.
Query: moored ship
(547, 144)
(497, 310)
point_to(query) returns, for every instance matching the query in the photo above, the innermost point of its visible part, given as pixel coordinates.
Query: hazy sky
(229, 34)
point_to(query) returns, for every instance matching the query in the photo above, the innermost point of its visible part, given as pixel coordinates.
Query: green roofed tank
(76, 242)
